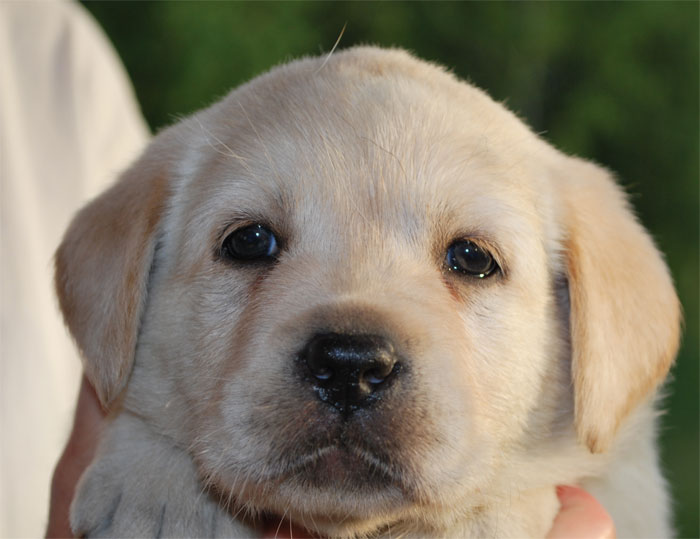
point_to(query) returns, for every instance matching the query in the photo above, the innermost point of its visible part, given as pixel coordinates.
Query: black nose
(349, 371)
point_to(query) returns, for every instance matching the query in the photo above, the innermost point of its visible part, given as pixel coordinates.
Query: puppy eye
(467, 257)
(254, 242)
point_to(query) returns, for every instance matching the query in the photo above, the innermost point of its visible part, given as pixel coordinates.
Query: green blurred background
(616, 82)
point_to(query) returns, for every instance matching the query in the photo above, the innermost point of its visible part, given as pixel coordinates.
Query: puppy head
(338, 287)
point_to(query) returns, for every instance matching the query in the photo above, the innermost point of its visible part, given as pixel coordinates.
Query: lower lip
(333, 466)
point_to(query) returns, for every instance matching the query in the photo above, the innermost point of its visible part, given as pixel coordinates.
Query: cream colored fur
(368, 166)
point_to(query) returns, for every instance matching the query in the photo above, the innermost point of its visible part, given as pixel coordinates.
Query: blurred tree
(614, 82)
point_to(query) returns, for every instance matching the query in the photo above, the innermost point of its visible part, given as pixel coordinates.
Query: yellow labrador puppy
(359, 296)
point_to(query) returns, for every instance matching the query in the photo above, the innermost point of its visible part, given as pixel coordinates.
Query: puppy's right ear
(625, 317)
(102, 269)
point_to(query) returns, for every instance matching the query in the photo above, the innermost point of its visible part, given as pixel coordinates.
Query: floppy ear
(102, 269)
(625, 317)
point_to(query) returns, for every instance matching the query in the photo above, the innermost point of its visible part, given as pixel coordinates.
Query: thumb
(580, 517)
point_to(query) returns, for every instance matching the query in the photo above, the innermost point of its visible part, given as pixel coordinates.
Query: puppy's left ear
(625, 317)
(102, 269)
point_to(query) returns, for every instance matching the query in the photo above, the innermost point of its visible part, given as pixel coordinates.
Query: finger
(77, 455)
(580, 517)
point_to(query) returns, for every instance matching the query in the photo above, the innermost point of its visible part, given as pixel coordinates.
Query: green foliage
(616, 82)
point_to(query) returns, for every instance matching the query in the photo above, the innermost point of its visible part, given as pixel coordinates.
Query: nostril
(317, 357)
(322, 373)
(380, 366)
(375, 377)
(379, 372)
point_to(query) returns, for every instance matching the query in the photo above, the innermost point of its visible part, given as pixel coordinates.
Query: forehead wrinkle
(370, 184)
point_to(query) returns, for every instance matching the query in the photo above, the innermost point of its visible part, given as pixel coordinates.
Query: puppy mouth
(343, 464)
(314, 481)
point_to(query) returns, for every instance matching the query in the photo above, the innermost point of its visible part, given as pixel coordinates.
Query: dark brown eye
(250, 243)
(468, 258)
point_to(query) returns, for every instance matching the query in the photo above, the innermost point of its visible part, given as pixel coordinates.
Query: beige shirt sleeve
(68, 124)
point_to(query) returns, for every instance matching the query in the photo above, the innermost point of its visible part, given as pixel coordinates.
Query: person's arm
(77, 455)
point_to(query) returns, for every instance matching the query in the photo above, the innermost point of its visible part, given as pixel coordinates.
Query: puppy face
(353, 298)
